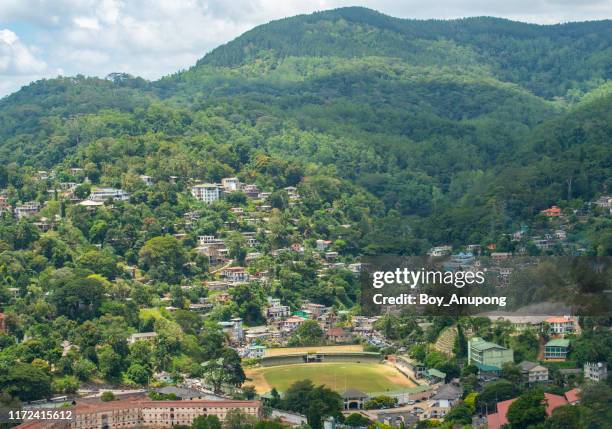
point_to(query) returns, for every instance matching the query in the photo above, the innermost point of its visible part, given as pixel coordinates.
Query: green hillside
(462, 129)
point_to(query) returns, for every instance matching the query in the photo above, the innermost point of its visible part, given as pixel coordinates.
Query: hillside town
(233, 285)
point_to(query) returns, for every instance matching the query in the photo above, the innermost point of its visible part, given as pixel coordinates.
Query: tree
(512, 373)
(234, 419)
(103, 263)
(107, 396)
(566, 417)
(356, 420)
(79, 298)
(26, 382)
(236, 246)
(138, 374)
(496, 391)
(164, 258)
(381, 401)
(109, 362)
(249, 392)
(224, 370)
(315, 402)
(459, 415)
(308, 333)
(83, 369)
(527, 411)
(206, 422)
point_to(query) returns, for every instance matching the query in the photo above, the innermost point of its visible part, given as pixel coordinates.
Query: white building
(235, 274)
(103, 194)
(28, 209)
(148, 180)
(533, 372)
(206, 192)
(230, 184)
(561, 324)
(596, 371)
(142, 336)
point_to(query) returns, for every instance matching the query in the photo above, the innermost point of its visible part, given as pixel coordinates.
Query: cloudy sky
(152, 38)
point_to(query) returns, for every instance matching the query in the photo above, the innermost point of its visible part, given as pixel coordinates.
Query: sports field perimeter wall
(297, 358)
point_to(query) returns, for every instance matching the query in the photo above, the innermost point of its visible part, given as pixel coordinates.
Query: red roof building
(554, 211)
(498, 419)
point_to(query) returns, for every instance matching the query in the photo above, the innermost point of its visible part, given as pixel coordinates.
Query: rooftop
(558, 343)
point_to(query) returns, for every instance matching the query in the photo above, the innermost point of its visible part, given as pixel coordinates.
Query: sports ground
(339, 376)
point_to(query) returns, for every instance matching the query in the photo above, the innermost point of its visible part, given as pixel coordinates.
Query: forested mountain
(266, 172)
(462, 128)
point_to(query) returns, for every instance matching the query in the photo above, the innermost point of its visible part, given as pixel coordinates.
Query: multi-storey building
(206, 192)
(28, 209)
(561, 324)
(143, 413)
(533, 372)
(556, 349)
(103, 194)
(596, 371)
(484, 353)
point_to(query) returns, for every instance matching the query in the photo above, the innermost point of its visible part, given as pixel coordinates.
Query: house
(330, 256)
(463, 258)
(291, 323)
(141, 336)
(338, 335)
(258, 334)
(256, 351)
(488, 372)
(499, 419)
(605, 201)
(561, 324)
(28, 209)
(533, 372)
(206, 192)
(147, 180)
(435, 376)
(596, 371)
(500, 256)
(91, 205)
(322, 245)
(251, 191)
(556, 349)
(444, 399)
(519, 323)
(233, 329)
(486, 353)
(277, 311)
(235, 274)
(200, 307)
(417, 368)
(553, 211)
(230, 184)
(439, 251)
(314, 309)
(103, 194)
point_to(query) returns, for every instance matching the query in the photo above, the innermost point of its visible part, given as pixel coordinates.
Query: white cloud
(16, 58)
(151, 38)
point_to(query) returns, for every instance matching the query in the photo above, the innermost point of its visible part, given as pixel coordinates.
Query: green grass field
(367, 377)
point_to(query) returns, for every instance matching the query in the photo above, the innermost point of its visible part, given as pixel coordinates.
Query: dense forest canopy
(462, 128)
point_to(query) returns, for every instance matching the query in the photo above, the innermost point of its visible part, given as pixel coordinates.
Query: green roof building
(485, 354)
(556, 349)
